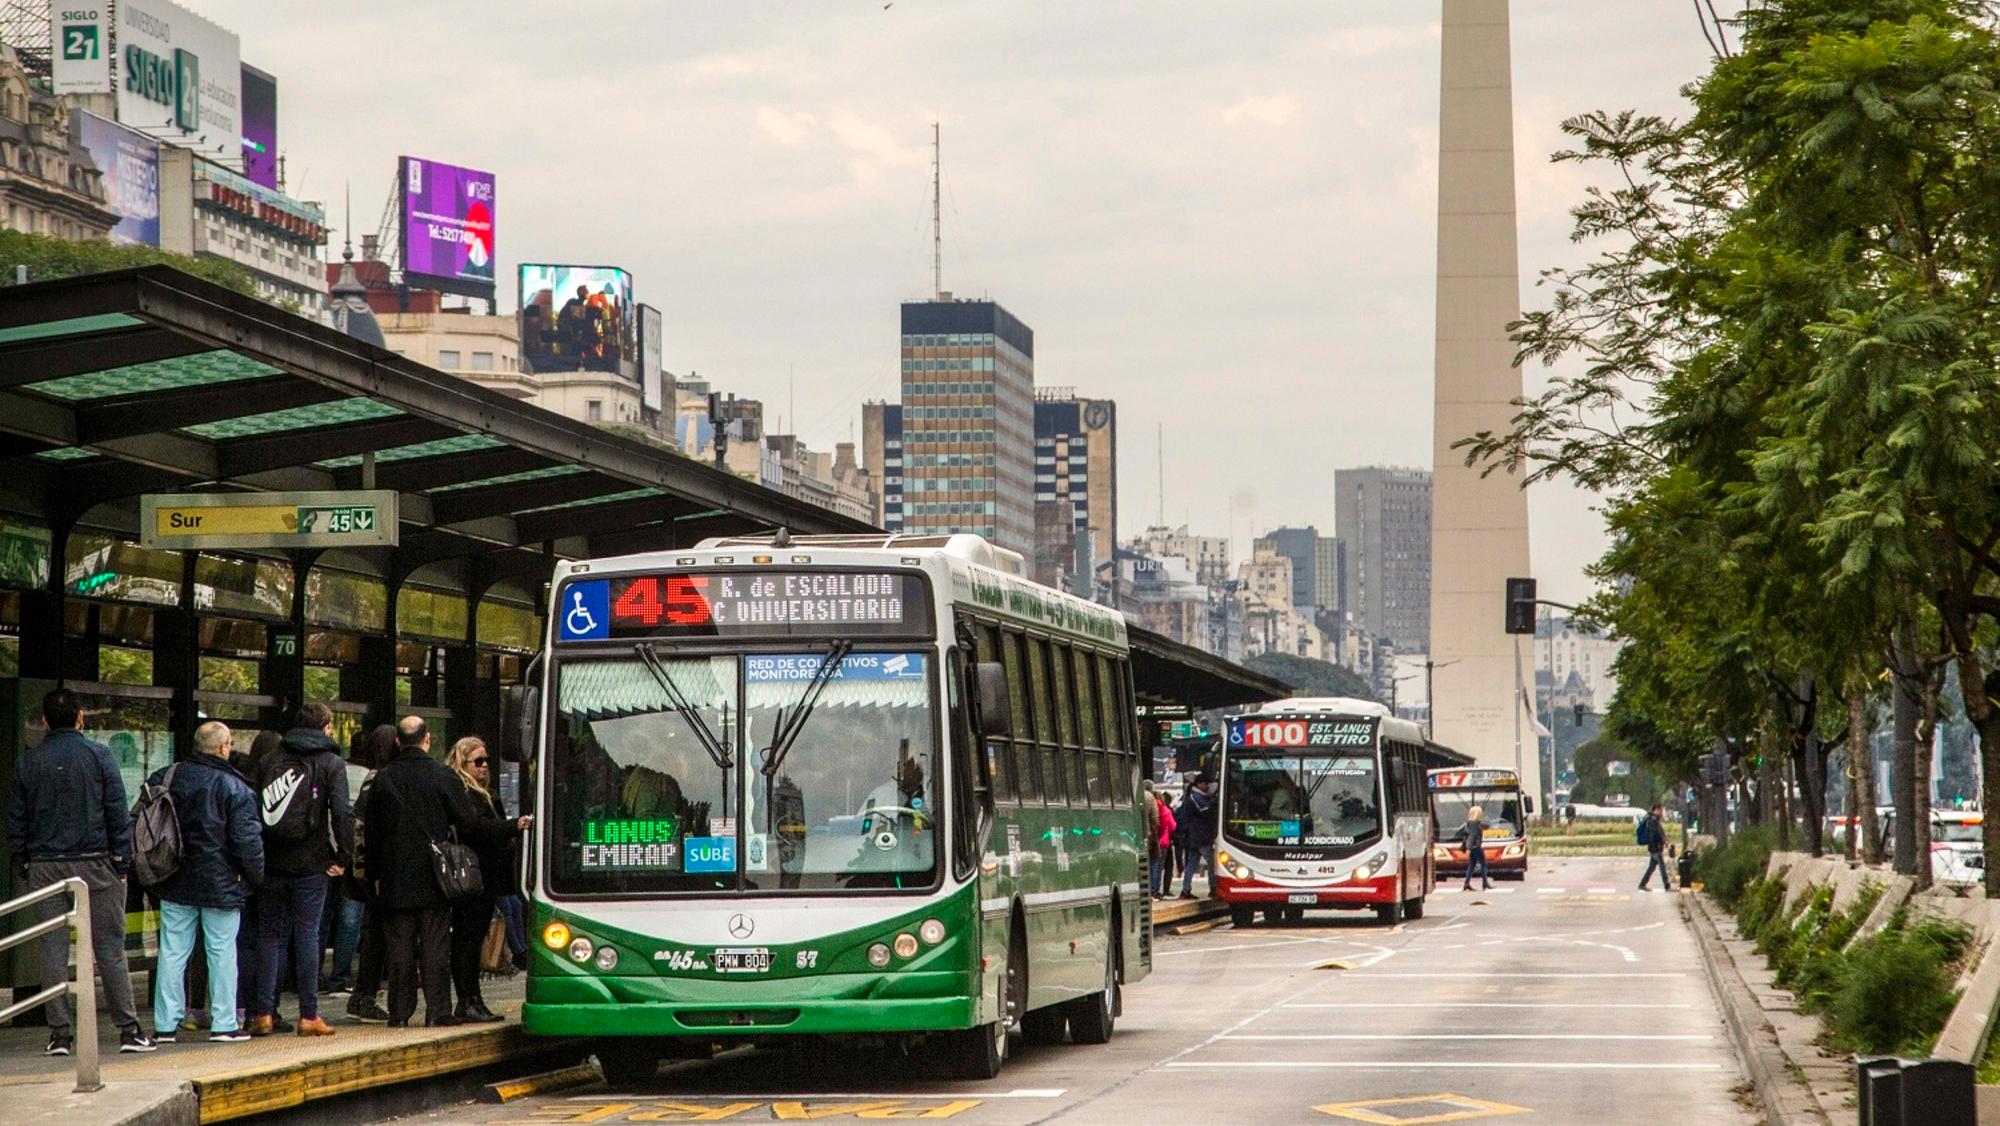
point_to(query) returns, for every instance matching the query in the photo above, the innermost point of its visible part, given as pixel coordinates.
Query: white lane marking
(1016, 1093)
(1463, 1036)
(1650, 1005)
(1565, 975)
(1258, 945)
(1490, 1065)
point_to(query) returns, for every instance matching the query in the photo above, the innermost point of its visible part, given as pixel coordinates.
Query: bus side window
(1118, 718)
(986, 641)
(1071, 756)
(964, 797)
(1053, 779)
(1021, 751)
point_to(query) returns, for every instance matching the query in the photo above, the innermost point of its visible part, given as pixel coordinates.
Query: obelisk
(1479, 525)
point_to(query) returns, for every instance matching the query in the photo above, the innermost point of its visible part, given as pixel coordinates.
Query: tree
(47, 257)
(1309, 677)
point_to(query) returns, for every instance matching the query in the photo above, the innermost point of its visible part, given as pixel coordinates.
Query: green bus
(879, 786)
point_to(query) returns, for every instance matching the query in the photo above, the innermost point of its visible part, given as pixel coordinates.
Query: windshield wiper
(690, 715)
(791, 723)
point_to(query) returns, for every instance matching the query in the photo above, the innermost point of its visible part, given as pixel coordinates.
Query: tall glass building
(968, 422)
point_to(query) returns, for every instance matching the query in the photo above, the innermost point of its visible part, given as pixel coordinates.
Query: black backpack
(288, 798)
(156, 833)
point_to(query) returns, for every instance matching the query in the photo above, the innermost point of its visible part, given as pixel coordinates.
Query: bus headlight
(581, 948)
(607, 959)
(555, 936)
(1515, 849)
(1223, 858)
(906, 945)
(1374, 865)
(932, 932)
(878, 955)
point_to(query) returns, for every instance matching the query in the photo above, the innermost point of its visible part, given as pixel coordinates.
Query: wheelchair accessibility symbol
(587, 617)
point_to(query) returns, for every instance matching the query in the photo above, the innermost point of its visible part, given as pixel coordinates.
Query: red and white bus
(1502, 806)
(1323, 804)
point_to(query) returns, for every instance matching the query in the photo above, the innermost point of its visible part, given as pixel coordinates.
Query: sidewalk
(235, 1080)
(1796, 1081)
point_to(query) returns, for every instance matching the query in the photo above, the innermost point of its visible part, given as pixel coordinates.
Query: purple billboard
(260, 127)
(447, 227)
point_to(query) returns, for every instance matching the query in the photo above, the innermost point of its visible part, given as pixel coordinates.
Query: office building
(968, 383)
(1315, 561)
(1076, 470)
(882, 458)
(208, 211)
(1383, 520)
(1208, 556)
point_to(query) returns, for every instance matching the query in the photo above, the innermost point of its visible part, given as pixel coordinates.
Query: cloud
(789, 129)
(1268, 109)
(1378, 39)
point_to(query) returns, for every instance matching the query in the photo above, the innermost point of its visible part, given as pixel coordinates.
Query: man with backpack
(220, 857)
(66, 817)
(1653, 834)
(308, 839)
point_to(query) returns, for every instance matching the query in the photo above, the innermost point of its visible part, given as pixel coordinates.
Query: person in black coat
(375, 754)
(414, 802)
(495, 839)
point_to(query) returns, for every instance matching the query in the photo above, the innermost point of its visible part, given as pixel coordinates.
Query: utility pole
(937, 213)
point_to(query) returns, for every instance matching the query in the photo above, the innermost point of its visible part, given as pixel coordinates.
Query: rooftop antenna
(937, 214)
(1163, 475)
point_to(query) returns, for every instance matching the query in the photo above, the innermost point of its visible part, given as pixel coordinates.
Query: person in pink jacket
(1161, 846)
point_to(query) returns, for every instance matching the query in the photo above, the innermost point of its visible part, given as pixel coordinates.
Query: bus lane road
(1567, 998)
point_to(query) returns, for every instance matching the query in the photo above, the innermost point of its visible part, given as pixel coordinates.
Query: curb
(1785, 1101)
(562, 1079)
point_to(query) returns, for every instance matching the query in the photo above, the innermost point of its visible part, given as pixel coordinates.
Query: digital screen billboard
(578, 318)
(260, 127)
(652, 358)
(131, 166)
(448, 227)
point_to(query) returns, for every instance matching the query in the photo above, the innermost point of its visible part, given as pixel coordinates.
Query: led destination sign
(748, 603)
(1289, 733)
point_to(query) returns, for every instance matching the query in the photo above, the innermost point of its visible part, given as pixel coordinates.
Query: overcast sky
(1221, 216)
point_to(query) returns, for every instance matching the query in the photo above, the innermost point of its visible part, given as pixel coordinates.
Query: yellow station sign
(195, 521)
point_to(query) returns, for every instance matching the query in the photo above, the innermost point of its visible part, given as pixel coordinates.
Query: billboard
(652, 357)
(260, 127)
(448, 228)
(80, 56)
(578, 318)
(180, 74)
(131, 166)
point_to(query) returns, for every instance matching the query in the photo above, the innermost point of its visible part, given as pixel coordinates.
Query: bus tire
(1413, 908)
(1389, 914)
(977, 1053)
(1091, 1017)
(1044, 1026)
(1295, 914)
(1241, 918)
(627, 1062)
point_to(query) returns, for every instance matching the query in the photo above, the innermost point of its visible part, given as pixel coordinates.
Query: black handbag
(457, 868)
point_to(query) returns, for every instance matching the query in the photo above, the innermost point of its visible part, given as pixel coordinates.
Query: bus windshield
(1301, 801)
(1500, 809)
(659, 782)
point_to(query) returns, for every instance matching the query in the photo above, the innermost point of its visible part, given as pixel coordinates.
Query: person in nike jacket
(306, 768)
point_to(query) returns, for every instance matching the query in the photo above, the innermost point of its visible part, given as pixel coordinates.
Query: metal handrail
(85, 986)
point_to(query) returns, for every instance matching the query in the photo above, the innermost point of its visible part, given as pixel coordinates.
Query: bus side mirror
(1528, 805)
(519, 722)
(996, 712)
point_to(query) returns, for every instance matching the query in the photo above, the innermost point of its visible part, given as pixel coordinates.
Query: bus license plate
(1302, 897)
(742, 960)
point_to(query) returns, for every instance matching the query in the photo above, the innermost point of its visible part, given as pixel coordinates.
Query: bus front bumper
(1499, 858)
(617, 1005)
(1355, 893)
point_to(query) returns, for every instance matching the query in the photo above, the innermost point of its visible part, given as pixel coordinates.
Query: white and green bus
(879, 786)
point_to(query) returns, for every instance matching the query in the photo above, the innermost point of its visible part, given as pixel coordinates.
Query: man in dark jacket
(1653, 834)
(308, 838)
(66, 817)
(222, 857)
(1197, 815)
(414, 802)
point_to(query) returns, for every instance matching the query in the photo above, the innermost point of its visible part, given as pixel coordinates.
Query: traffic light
(1715, 768)
(1521, 606)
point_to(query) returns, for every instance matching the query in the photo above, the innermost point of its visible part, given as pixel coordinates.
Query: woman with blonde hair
(1475, 848)
(493, 837)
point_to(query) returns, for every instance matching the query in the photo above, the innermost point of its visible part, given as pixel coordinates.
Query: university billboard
(131, 165)
(578, 318)
(447, 227)
(179, 78)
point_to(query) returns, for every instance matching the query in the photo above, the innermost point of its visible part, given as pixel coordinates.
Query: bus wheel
(1043, 1026)
(1090, 1018)
(1413, 908)
(1390, 913)
(1273, 914)
(627, 1062)
(1241, 917)
(1295, 914)
(977, 1053)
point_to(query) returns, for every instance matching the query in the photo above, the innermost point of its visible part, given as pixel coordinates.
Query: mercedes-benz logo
(741, 925)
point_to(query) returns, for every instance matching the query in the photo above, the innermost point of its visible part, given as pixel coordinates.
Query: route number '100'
(1290, 733)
